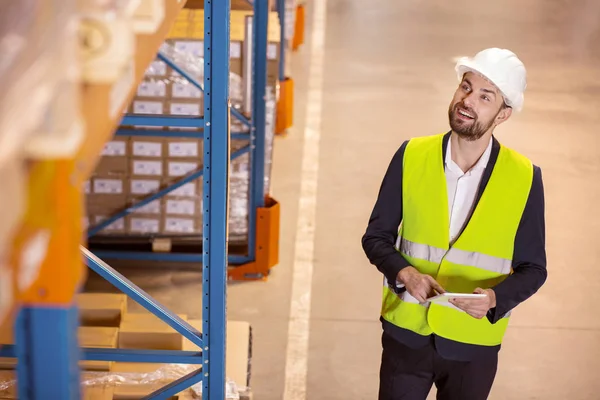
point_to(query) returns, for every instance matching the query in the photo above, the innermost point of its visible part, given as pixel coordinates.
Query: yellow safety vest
(480, 257)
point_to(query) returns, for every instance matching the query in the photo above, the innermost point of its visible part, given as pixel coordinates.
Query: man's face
(476, 108)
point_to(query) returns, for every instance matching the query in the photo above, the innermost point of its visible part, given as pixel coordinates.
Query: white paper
(272, 51)
(179, 225)
(108, 186)
(187, 190)
(185, 90)
(147, 168)
(182, 207)
(235, 50)
(185, 109)
(183, 149)
(114, 148)
(144, 186)
(144, 225)
(151, 208)
(147, 149)
(118, 225)
(181, 168)
(147, 107)
(192, 47)
(152, 89)
(157, 68)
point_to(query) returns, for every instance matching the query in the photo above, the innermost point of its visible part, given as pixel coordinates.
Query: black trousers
(409, 374)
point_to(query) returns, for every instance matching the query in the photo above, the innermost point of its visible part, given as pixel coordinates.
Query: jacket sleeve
(529, 259)
(382, 231)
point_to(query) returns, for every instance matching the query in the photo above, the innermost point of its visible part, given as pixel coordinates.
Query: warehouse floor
(388, 75)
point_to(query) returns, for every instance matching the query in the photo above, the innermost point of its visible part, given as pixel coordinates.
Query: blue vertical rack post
(256, 148)
(216, 184)
(259, 115)
(48, 336)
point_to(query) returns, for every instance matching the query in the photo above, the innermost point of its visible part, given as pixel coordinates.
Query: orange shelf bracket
(285, 106)
(298, 39)
(267, 245)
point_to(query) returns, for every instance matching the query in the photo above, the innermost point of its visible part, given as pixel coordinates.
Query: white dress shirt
(462, 188)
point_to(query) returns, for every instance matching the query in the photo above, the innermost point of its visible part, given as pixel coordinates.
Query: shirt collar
(479, 166)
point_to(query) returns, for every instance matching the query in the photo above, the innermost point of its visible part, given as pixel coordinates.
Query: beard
(468, 130)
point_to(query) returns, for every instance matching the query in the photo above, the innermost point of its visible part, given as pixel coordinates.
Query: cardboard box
(178, 225)
(101, 309)
(146, 331)
(113, 165)
(147, 147)
(117, 227)
(109, 185)
(134, 389)
(188, 207)
(94, 389)
(238, 350)
(181, 167)
(147, 167)
(143, 224)
(191, 189)
(104, 205)
(155, 207)
(184, 148)
(142, 187)
(97, 337)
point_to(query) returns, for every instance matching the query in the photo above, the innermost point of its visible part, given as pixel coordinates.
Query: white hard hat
(501, 67)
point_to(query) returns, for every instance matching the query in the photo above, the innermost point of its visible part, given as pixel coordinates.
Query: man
(470, 215)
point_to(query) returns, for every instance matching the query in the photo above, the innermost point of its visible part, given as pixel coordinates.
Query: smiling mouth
(465, 114)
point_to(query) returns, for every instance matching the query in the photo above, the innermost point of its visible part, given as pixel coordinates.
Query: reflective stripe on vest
(456, 256)
(480, 257)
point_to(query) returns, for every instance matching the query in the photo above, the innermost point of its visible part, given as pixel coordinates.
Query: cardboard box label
(144, 186)
(152, 89)
(151, 208)
(187, 190)
(272, 51)
(235, 50)
(147, 168)
(147, 107)
(147, 149)
(108, 186)
(185, 109)
(114, 148)
(179, 225)
(118, 225)
(157, 68)
(181, 168)
(144, 225)
(185, 90)
(182, 207)
(195, 47)
(183, 149)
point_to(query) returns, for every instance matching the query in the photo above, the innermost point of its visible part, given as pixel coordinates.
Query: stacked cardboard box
(135, 167)
(106, 323)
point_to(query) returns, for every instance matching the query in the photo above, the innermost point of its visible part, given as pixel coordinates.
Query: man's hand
(420, 286)
(477, 308)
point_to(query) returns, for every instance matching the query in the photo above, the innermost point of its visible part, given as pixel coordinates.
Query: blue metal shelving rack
(256, 147)
(46, 338)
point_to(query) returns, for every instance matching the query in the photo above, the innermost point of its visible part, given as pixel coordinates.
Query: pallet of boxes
(138, 165)
(106, 323)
